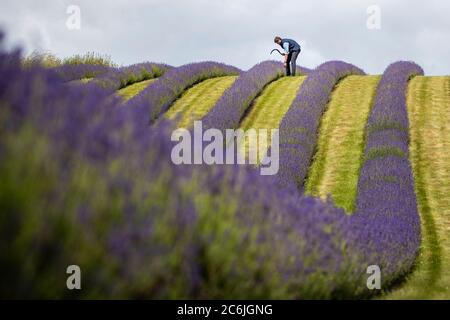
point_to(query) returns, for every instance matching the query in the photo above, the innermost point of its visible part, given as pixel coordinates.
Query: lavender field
(87, 179)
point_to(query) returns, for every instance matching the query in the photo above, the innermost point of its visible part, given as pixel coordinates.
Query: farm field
(364, 179)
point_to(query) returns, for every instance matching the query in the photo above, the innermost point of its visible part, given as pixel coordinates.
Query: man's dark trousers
(291, 63)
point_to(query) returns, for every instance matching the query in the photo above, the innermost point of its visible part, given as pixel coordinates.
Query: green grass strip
(196, 102)
(130, 91)
(270, 106)
(428, 103)
(338, 159)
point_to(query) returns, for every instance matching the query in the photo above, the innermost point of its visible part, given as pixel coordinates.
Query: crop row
(386, 202)
(158, 96)
(108, 78)
(125, 76)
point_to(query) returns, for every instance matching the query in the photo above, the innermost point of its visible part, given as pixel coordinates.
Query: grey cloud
(238, 32)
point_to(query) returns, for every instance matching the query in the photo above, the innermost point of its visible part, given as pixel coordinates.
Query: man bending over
(291, 49)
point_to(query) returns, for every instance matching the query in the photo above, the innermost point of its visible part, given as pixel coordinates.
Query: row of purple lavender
(386, 202)
(124, 76)
(71, 72)
(110, 78)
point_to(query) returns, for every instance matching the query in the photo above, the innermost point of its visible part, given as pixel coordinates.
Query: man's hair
(277, 38)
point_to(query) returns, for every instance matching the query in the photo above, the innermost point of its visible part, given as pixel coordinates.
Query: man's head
(277, 40)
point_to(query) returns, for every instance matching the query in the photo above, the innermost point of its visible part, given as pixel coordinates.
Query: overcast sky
(238, 32)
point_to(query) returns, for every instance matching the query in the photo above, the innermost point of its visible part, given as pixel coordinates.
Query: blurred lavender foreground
(83, 182)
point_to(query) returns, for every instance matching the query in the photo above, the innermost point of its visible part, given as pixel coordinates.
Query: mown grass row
(196, 102)
(336, 164)
(130, 91)
(269, 108)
